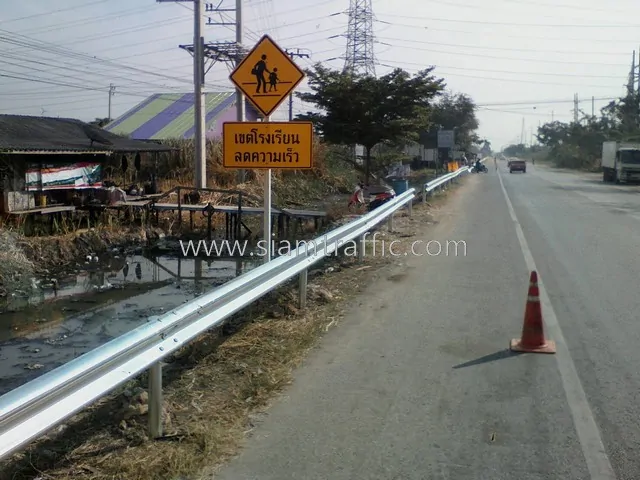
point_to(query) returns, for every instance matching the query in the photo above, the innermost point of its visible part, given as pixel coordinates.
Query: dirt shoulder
(214, 387)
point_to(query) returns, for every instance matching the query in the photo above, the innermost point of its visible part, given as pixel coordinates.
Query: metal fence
(32, 409)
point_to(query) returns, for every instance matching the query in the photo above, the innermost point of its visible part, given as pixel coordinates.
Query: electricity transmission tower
(359, 58)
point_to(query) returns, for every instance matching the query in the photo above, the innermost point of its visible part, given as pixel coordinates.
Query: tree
(486, 147)
(579, 144)
(364, 110)
(515, 150)
(456, 112)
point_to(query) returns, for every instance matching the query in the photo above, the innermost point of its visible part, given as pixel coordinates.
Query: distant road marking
(593, 449)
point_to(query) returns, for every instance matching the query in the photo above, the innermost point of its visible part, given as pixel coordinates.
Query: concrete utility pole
(576, 107)
(198, 84)
(638, 90)
(292, 55)
(112, 92)
(240, 101)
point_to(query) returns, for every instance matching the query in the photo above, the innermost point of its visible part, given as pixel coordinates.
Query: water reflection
(93, 306)
(119, 272)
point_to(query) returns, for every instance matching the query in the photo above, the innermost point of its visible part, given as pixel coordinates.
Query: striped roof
(167, 115)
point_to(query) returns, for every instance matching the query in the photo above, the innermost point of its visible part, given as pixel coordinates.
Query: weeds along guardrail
(33, 409)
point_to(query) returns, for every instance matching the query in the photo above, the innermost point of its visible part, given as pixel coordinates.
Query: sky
(519, 60)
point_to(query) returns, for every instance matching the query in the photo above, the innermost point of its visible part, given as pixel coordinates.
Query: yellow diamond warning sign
(267, 76)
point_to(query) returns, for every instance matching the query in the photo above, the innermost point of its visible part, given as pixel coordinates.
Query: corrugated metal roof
(164, 115)
(22, 133)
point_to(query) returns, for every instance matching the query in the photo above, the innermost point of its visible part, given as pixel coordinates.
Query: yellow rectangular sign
(281, 145)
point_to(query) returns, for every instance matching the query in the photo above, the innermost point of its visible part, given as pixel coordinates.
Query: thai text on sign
(283, 145)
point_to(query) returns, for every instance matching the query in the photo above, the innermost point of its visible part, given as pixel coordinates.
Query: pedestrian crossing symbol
(267, 76)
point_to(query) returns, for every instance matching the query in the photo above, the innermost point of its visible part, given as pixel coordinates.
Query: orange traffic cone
(533, 340)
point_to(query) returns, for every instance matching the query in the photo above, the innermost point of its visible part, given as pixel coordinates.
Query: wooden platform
(227, 209)
(45, 210)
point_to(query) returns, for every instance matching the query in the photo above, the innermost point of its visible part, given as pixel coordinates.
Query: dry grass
(329, 174)
(211, 388)
(16, 269)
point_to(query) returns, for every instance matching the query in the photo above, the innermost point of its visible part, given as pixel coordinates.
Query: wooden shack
(51, 164)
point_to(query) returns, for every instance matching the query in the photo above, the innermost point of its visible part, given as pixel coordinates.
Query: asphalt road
(417, 383)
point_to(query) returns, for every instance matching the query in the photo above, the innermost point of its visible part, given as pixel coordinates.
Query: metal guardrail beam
(442, 181)
(33, 409)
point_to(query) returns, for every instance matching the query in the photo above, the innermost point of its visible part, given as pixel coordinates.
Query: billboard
(445, 139)
(55, 177)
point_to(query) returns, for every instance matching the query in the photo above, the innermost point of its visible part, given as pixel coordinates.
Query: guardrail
(442, 181)
(31, 410)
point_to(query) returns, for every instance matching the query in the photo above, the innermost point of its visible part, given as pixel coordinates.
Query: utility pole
(112, 92)
(236, 57)
(638, 90)
(198, 84)
(575, 107)
(240, 105)
(292, 55)
(522, 135)
(593, 106)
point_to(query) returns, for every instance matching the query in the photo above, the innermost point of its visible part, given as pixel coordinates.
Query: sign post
(266, 76)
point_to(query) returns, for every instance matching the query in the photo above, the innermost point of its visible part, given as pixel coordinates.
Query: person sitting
(478, 165)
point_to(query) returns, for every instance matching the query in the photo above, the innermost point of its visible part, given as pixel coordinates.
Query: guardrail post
(361, 248)
(155, 400)
(390, 223)
(302, 287)
(424, 195)
(410, 207)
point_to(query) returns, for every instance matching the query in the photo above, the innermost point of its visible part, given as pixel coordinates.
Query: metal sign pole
(267, 210)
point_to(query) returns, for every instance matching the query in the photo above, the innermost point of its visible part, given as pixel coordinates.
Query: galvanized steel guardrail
(34, 408)
(442, 181)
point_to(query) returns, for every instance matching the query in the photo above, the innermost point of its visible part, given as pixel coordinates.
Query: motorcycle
(377, 195)
(480, 169)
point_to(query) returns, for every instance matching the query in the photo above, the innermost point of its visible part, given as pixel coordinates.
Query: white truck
(620, 162)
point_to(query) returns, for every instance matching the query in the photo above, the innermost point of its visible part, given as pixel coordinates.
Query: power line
(67, 9)
(508, 49)
(511, 72)
(516, 59)
(507, 24)
(503, 35)
(482, 77)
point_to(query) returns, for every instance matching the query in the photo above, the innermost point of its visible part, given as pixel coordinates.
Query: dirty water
(73, 315)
